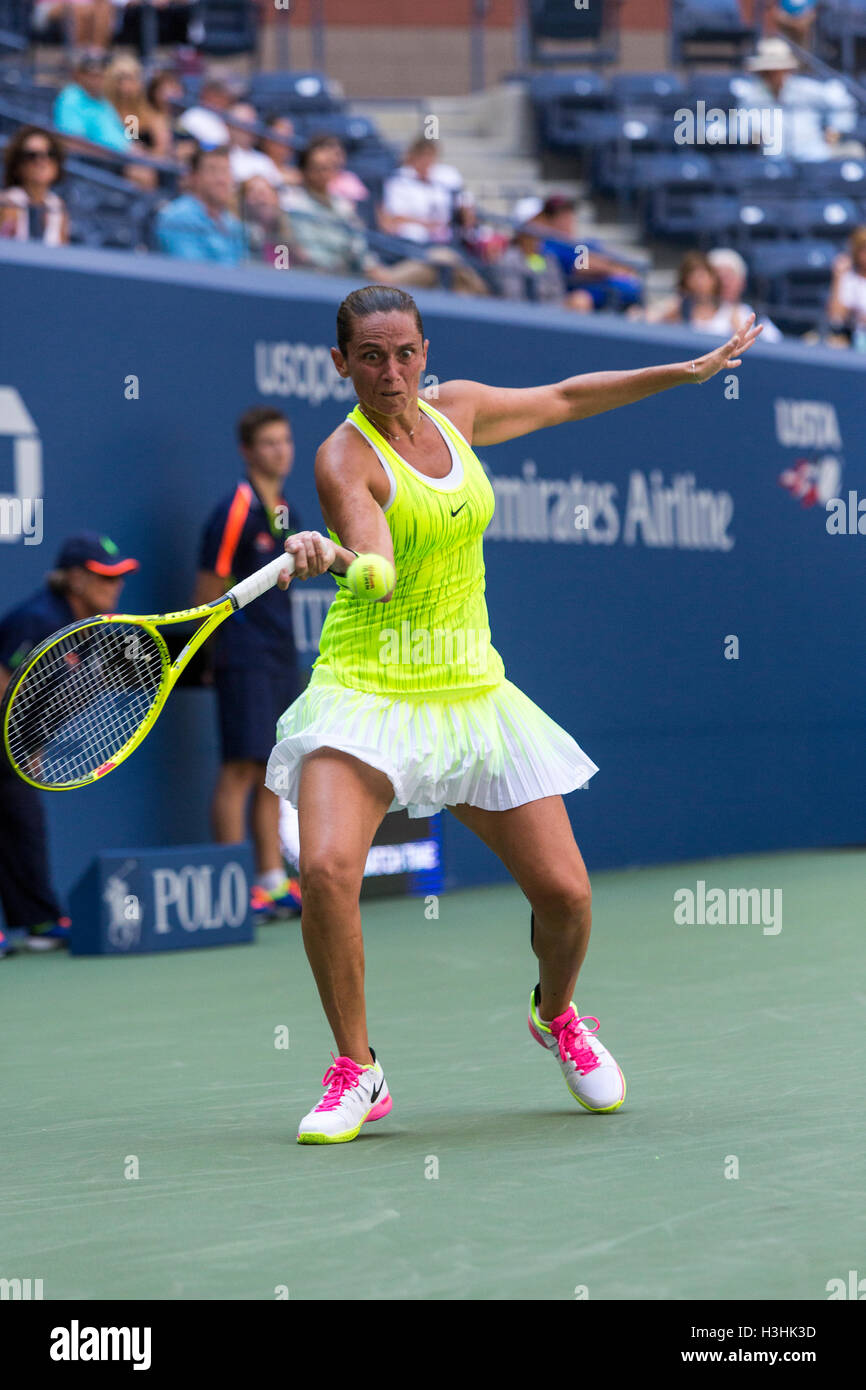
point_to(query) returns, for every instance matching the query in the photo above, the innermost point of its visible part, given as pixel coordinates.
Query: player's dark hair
(373, 299)
(252, 421)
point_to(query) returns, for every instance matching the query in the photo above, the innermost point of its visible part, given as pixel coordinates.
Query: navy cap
(96, 553)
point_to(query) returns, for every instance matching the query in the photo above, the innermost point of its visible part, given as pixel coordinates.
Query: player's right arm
(5, 678)
(344, 479)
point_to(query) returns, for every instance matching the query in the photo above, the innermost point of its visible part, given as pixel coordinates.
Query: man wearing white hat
(817, 116)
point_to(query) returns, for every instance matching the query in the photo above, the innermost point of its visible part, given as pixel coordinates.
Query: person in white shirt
(417, 205)
(247, 162)
(733, 313)
(846, 306)
(204, 122)
(817, 117)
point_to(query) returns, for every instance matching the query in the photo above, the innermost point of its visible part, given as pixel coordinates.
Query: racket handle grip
(263, 579)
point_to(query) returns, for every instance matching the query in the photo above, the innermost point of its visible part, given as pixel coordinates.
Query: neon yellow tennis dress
(414, 686)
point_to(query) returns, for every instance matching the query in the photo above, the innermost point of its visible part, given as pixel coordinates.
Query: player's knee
(567, 900)
(329, 873)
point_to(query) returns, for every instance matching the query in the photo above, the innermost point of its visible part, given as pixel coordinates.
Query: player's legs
(536, 845)
(341, 804)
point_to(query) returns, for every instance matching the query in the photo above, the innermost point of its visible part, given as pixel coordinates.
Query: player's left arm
(5, 678)
(499, 413)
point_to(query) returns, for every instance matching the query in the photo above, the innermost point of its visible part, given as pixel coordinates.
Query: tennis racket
(89, 695)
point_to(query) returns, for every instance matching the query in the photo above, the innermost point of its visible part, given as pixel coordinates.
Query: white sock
(271, 881)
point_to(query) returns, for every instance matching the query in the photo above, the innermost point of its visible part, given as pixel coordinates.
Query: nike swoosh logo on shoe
(375, 1095)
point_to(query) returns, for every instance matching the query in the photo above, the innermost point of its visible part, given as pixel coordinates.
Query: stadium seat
(737, 170)
(709, 31)
(721, 90)
(595, 28)
(840, 32)
(653, 91)
(580, 89)
(791, 280)
(846, 177)
(225, 27)
(666, 186)
(15, 26)
(291, 93)
(105, 210)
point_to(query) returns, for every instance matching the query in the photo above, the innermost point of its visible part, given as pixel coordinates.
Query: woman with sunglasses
(29, 209)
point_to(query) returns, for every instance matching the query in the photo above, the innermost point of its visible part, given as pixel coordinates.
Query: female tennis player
(377, 730)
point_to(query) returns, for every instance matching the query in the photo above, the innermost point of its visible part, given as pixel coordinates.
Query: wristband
(337, 573)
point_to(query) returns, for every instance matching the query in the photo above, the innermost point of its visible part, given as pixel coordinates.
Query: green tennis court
(737, 1044)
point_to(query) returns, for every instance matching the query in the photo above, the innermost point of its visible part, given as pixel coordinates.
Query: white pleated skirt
(494, 749)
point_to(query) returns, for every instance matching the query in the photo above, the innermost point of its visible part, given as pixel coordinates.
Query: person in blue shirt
(255, 666)
(604, 281)
(82, 109)
(199, 226)
(87, 579)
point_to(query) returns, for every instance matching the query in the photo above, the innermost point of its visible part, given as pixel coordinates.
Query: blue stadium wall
(621, 629)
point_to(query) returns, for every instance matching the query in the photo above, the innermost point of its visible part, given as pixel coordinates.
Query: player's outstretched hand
(730, 354)
(313, 552)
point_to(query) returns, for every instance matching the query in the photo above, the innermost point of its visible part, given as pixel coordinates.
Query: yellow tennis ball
(370, 577)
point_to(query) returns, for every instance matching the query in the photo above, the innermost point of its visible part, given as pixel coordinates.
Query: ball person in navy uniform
(255, 665)
(87, 579)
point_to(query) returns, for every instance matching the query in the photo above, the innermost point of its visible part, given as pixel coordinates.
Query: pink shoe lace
(574, 1045)
(339, 1078)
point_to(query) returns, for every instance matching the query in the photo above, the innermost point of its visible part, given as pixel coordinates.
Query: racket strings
(83, 700)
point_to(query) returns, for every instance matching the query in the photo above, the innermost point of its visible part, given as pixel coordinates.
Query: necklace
(395, 437)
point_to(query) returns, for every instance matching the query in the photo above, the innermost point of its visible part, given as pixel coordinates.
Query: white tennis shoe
(591, 1074)
(353, 1095)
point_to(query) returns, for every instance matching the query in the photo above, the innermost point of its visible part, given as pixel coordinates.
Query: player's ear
(339, 362)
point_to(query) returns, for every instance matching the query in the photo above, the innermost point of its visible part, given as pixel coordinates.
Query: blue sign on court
(129, 902)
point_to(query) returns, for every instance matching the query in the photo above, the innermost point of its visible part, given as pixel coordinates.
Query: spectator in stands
(817, 117)
(416, 205)
(476, 237)
(698, 296)
(86, 23)
(281, 129)
(794, 19)
(419, 204)
(29, 209)
(82, 109)
(87, 579)
(846, 306)
(732, 312)
(267, 226)
(246, 161)
(326, 234)
(164, 95)
(172, 22)
(605, 281)
(525, 270)
(124, 88)
(344, 184)
(204, 122)
(199, 225)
